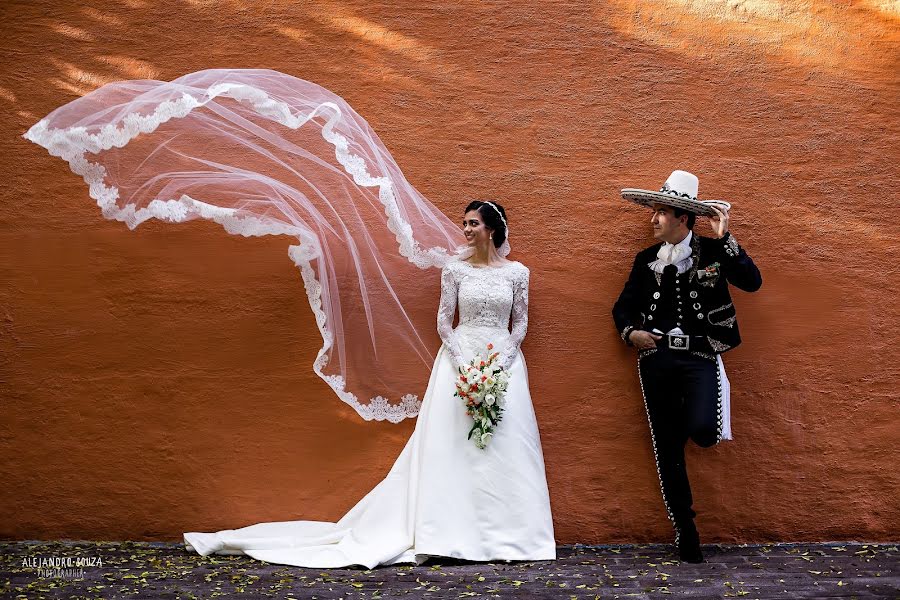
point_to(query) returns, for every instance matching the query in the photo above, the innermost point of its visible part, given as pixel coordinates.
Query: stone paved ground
(157, 570)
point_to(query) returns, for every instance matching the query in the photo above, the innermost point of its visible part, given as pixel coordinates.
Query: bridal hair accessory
(504, 248)
(263, 153)
(502, 218)
(680, 191)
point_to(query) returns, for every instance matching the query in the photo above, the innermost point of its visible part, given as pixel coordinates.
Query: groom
(677, 311)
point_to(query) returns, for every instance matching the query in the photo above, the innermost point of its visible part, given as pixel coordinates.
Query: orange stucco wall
(159, 381)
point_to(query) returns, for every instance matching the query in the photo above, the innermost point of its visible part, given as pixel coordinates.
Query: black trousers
(683, 397)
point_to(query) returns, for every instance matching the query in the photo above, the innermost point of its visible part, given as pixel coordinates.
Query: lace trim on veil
(71, 144)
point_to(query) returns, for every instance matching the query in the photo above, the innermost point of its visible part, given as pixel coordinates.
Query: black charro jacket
(702, 294)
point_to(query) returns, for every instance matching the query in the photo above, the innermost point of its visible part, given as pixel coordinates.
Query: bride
(443, 496)
(263, 153)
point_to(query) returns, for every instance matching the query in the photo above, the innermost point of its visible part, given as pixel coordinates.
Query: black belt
(674, 341)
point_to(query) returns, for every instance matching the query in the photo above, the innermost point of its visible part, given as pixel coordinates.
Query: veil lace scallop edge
(74, 143)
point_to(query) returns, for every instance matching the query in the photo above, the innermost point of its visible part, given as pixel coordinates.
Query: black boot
(689, 544)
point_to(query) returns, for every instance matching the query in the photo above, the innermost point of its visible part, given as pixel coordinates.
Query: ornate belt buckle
(679, 342)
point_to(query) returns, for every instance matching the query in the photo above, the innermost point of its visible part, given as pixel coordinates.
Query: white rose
(490, 399)
(485, 438)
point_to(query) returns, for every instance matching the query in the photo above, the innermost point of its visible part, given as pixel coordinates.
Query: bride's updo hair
(491, 219)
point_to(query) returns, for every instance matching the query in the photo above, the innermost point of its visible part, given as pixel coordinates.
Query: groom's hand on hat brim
(719, 222)
(643, 340)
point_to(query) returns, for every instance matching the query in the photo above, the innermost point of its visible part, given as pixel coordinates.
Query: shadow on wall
(849, 40)
(237, 27)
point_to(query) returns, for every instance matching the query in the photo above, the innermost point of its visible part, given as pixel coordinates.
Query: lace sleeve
(446, 312)
(519, 318)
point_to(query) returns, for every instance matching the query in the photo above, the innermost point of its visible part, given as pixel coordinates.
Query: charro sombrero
(680, 191)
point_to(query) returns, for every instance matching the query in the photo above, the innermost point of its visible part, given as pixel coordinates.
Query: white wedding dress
(443, 496)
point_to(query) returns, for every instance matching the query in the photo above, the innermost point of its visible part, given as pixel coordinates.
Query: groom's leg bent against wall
(699, 377)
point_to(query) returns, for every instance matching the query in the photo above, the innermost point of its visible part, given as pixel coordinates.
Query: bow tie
(678, 255)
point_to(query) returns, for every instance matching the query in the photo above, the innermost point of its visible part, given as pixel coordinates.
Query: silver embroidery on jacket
(729, 322)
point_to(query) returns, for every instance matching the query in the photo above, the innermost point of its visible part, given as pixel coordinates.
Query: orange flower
(490, 346)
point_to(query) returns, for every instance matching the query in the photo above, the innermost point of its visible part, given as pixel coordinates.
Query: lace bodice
(487, 297)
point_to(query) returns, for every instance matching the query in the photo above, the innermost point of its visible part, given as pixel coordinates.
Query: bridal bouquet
(482, 386)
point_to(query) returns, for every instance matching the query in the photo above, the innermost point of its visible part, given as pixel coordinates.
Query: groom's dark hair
(491, 219)
(692, 218)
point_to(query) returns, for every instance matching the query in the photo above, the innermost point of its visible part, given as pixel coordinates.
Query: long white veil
(263, 153)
